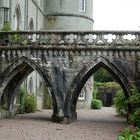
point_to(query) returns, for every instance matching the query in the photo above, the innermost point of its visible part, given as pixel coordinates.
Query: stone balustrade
(71, 39)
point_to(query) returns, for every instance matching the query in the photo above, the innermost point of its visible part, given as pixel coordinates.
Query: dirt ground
(91, 125)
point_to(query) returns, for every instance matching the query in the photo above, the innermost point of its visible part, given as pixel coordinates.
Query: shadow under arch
(85, 74)
(14, 75)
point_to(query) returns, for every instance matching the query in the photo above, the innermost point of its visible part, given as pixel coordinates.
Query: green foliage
(96, 104)
(94, 92)
(121, 103)
(7, 26)
(102, 76)
(130, 133)
(134, 117)
(133, 131)
(22, 94)
(30, 103)
(135, 96)
(107, 85)
(27, 101)
(16, 38)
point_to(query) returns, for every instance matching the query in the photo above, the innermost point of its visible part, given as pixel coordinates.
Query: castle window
(17, 17)
(82, 5)
(31, 24)
(82, 95)
(5, 14)
(41, 88)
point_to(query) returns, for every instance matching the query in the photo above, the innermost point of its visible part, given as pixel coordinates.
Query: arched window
(17, 17)
(31, 24)
(41, 88)
(31, 85)
(82, 5)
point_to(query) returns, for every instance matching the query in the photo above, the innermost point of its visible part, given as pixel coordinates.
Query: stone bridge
(66, 60)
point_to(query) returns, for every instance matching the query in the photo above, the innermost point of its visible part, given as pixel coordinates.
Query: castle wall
(28, 9)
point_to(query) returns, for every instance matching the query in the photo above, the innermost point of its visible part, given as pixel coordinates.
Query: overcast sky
(116, 14)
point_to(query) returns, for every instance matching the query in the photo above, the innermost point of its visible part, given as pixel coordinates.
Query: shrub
(134, 117)
(16, 38)
(96, 104)
(7, 26)
(120, 102)
(30, 103)
(134, 99)
(27, 101)
(107, 85)
(22, 94)
(130, 133)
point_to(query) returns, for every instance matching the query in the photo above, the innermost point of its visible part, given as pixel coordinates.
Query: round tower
(69, 14)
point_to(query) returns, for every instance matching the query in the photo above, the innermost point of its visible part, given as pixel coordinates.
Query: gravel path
(91, 125)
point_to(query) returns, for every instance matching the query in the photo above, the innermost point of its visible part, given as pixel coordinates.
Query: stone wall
(106, 95)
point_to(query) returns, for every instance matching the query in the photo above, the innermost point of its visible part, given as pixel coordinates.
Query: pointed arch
(31, 24)
(17, 17)
(84, 75)
(14, 75)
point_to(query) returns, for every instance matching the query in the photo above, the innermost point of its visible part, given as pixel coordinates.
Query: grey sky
(116, 14)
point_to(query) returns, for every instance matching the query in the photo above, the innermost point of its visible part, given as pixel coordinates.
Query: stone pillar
(60, 88)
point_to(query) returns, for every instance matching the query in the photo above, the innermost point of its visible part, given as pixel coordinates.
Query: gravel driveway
(91, 125)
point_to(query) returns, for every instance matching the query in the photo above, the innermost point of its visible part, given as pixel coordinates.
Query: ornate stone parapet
(72, 39)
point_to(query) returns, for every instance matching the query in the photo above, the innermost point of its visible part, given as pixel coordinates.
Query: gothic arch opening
(17, 18)
(15, 74)
(86, 73)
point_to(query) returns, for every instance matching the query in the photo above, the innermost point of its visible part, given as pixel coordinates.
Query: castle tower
(69, 14)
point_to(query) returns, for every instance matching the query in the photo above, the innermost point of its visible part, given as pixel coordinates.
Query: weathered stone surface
(65, 66)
